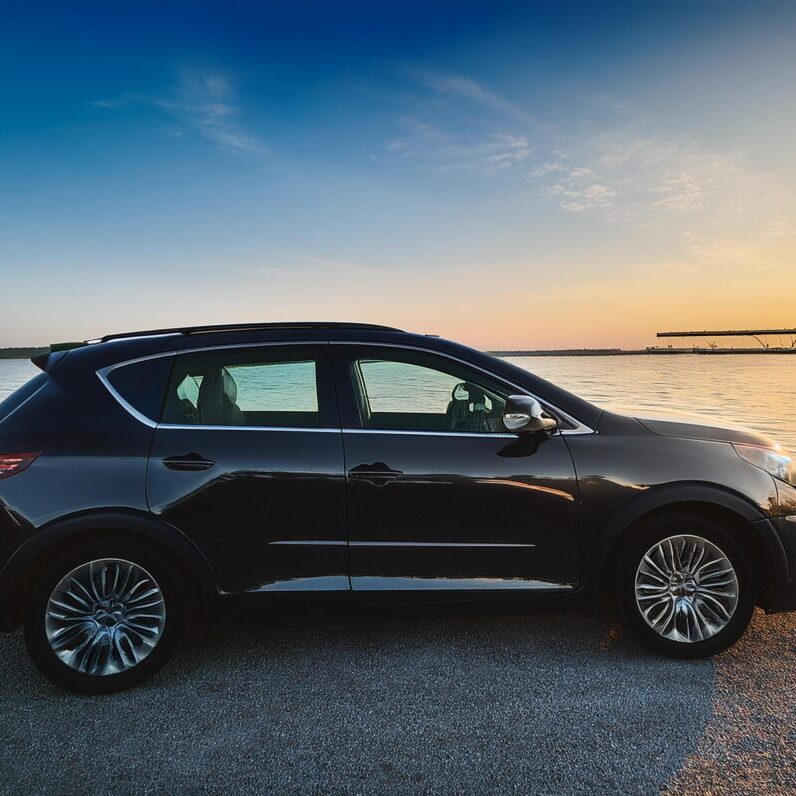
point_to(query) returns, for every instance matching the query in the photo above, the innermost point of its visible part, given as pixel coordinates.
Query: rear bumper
(782, 595)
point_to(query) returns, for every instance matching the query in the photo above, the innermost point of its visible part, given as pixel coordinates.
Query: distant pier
(785, 337)
(761, 335)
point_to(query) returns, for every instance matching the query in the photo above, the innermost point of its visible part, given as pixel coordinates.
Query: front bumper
(782, 593)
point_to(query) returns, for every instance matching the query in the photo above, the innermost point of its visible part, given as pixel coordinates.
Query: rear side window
(142, 385)
(261, 387)
(22, 394)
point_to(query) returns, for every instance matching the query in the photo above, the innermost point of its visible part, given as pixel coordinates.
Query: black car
(146, 473)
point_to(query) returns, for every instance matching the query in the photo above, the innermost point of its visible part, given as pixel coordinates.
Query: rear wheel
(105, 617)
(684, 587)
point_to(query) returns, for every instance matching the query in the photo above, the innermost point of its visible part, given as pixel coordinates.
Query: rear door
(248, 462)
(440, 495)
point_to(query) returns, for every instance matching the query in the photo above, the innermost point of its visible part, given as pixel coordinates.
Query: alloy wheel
(105, 617)
(686, 588)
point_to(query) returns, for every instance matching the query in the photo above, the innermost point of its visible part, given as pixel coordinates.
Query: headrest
(230, 387)
(216, 385)
(469, 392)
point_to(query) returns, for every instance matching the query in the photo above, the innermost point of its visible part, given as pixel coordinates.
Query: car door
(248, 462)
(440, 495)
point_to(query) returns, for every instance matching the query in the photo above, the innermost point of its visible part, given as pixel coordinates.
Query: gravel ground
(748, 745)
(461, 699)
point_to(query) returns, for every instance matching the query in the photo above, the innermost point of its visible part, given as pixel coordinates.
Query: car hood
(696, 427)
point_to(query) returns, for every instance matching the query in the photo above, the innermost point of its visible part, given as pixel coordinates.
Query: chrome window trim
(103, 373)
(439, 544)
(408, 583)
(198, 427)
(313, 583)
(408, 432)
(310, 542)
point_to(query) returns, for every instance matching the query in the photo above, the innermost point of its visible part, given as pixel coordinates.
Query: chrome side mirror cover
(523, 414)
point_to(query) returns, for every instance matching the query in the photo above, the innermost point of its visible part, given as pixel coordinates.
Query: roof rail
(247, 327)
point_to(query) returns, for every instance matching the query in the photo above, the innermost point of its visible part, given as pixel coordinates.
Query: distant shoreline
(22, 353)
(622, 352)
(27, 353)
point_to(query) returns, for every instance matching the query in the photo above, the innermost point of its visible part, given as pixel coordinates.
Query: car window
(395, 394)
(244, 388)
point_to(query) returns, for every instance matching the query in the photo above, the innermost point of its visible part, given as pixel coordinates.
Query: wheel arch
(753, 531)
(18, 576)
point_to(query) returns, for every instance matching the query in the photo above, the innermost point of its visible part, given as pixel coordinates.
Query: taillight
(13, 463)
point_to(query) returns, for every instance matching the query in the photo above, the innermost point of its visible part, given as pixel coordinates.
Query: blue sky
(511, 174)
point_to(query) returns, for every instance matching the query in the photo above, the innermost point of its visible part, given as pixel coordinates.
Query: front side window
(426, 395)
(228, 387)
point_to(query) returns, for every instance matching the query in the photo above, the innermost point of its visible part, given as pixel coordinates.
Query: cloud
(581, 189)
(485, 133)
(202, 103)
(476, 151)
(109, 103)
(712, 207)
(726, 216)
(642, 178)
(461, 86)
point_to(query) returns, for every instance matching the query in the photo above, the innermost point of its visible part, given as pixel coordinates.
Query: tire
(694, 608)
(102, 646)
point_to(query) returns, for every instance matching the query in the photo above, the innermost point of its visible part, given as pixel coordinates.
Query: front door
(440, 496)
(248, 462)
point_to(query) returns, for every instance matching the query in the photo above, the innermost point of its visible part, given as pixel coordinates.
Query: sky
(511, 175)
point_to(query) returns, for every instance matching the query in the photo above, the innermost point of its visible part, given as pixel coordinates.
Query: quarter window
(141, 384)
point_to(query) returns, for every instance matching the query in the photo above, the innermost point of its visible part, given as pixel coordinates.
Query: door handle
(378, 474)
(188, 461)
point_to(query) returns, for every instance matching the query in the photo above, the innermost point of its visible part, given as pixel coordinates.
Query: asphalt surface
(452, 700)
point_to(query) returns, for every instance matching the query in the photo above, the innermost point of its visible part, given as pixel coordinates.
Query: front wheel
(105, 617)
(684, 588)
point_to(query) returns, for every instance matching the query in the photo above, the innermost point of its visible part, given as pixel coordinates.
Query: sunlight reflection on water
(758, 390)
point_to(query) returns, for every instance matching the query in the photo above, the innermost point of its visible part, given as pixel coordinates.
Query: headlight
(774, 463)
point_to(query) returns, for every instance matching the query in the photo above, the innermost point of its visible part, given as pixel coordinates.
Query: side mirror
(523, 414)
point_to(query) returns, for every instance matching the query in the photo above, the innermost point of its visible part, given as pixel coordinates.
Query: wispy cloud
(646, 180)
(712, 207)
(202, 103)
(483, 152)
(467, 127)
(462, 86)
(716, 204)
(579, 189)
(635, 176)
